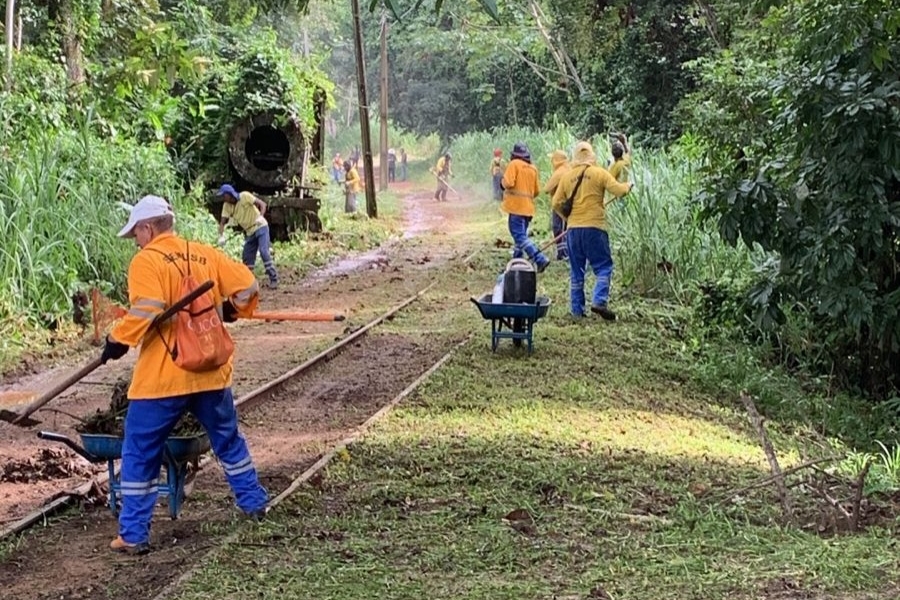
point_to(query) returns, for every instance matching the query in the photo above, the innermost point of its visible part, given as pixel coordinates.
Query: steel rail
(245, 402)
(320, 464)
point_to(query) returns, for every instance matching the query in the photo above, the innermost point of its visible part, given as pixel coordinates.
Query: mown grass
(598, 467)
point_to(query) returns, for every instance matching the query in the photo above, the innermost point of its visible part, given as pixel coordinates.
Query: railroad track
(244, 403)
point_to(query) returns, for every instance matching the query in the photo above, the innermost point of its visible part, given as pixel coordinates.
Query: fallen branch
(648, 518)
(785, 472)
(835, 504)
(769, 450)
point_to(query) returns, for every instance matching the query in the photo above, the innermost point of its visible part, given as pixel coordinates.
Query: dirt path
(360, 286)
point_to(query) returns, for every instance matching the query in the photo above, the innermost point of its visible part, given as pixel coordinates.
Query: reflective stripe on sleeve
(244, 296)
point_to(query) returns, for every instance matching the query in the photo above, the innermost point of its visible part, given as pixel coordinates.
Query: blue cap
(227, 189)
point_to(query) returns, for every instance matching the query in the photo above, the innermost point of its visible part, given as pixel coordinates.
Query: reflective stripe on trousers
(148, 424)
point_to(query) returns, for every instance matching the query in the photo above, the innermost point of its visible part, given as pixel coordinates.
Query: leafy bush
(803, 139)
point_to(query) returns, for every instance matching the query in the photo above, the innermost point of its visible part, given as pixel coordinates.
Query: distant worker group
(579, 190)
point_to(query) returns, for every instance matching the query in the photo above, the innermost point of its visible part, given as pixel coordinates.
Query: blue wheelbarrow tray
(518, 319)
(178, 454)
(180, 449)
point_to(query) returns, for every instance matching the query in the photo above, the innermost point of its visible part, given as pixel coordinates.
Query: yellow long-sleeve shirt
(520, 187)
(245, 213)
(154, 284)
(558, 172)
(589, 208)
(619, 168)
(353, 182)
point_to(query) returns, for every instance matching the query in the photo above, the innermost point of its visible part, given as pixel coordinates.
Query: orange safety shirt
(154, 284)
(520, 187)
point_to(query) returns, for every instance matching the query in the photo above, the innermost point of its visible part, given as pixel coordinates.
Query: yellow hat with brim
(584, 154)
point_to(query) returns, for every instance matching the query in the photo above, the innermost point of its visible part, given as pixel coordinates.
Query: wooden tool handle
(88, 368)
(295, 316)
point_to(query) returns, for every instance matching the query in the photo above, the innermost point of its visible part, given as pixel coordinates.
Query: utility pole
(383, 106)
(371, 206)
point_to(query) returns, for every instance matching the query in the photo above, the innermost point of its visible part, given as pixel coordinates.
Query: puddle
(349, 264)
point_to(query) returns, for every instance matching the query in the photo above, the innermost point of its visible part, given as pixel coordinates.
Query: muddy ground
(286, 433)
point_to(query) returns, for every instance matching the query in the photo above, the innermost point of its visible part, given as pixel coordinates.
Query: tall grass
(660, 241)
(60, 209)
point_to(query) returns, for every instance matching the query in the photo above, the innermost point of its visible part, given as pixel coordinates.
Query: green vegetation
(604, 462)
(758, 252)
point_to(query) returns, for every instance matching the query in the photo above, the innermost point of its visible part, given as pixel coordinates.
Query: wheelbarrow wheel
(518, 327)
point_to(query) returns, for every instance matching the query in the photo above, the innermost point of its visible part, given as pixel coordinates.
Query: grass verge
(595, 468)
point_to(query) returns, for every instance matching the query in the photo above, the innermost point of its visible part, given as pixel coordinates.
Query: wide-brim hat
(520, 150)
(584, 154)
(557, 157)
(148, 207)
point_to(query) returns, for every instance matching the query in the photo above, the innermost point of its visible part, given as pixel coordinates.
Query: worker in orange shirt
(160, 390)
(520, 188)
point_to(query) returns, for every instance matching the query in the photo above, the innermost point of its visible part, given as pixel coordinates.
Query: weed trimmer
(22, 419)
(445, 182)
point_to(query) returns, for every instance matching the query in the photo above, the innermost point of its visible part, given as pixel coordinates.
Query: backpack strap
(578, 183)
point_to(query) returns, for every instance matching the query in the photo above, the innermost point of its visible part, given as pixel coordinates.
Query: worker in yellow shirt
(621, 161)
(520, 188)
(443, 171)
(497, 174)
(586, 239)
(248, 212)
(560, 162)
(352, 186)
(161, 391)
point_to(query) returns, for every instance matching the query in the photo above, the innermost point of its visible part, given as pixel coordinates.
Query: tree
(802, 124)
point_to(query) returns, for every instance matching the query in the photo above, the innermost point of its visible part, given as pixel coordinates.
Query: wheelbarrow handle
(58, 437)
(88, 368)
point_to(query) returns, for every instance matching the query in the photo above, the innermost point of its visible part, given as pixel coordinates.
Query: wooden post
(371, 206)
(383, 107)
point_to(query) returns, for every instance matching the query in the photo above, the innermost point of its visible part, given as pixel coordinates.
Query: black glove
(113, 350)
(229, 312)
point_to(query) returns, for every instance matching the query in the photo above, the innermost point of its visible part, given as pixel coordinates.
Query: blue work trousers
(558, 225)
(588, 246)
(148, 424)
(523, 246)
(258, 241)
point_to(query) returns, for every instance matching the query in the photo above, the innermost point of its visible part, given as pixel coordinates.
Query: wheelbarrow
(178, 454)
(513, 321)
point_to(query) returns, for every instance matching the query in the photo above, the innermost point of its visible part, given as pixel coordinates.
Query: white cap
(148, 207)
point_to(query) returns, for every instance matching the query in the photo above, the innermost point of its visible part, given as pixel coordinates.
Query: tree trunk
(383, 109)
(70, 42)
(371, 206)
(10, 36)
